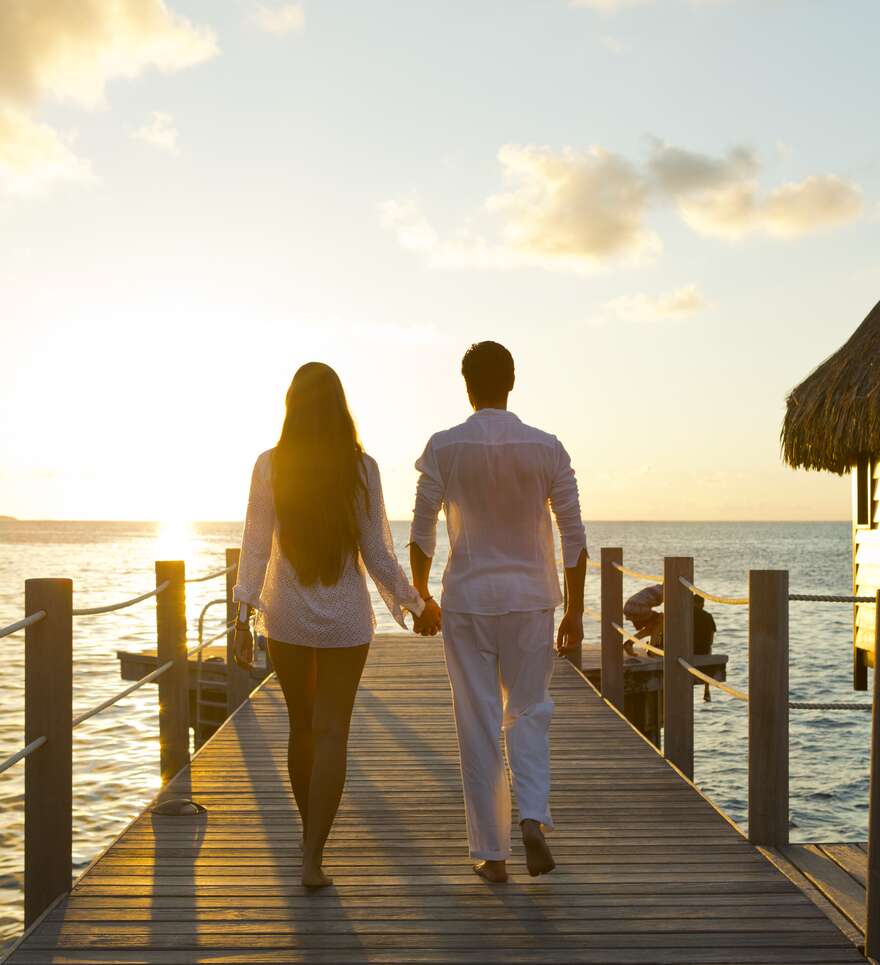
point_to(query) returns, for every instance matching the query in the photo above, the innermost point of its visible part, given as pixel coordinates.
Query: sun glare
(175, 540)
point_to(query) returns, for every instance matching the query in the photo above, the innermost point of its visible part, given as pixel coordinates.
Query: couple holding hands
(316, 522)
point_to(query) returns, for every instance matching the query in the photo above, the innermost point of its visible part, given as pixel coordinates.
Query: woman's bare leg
(339, 674)
(297, 670)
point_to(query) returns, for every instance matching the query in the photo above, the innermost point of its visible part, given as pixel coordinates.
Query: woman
(316, 513)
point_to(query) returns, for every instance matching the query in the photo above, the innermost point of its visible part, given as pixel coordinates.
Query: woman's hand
(428, 624)
(243, 649)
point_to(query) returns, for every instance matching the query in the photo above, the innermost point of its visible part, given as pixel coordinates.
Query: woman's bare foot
(493, 871)
(539, 858)
(312, 874)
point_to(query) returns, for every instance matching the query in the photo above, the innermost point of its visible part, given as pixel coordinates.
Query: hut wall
(866, 564)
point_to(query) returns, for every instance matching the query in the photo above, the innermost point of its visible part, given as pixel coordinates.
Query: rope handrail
(711, 681)
(22, 754)
(636, 575)
(32, 618)
(211, 576)
(200, 647)
(593, 564)
(593, 614)
(124, 693)
(727, 600)
(632, 638)
(830, 598)
(92, 610)
(827, 705)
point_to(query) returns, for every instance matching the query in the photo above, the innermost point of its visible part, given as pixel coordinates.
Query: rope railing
(150, 677)
(593, 614)
(211, 576)
(637, 575)
(829, 598)
(632, 638)
(22, 754)
(727, 600)
(198, 649)
(21, 624)
(711, 681)
(828, 705)
(593, 564)
(110, 607)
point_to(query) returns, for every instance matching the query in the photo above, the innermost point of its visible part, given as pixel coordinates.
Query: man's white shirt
(497, 480)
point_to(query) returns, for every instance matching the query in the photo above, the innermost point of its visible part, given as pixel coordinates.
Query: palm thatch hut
(832, 422)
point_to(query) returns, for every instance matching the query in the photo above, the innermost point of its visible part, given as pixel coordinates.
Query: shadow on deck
(648, 870)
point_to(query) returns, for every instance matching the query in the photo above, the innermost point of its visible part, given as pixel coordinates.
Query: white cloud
(159, 131)
(33, 155)
(70, 51)
(615, 44)
(608, 6)
(654, 308)
(580, 210)
(284, 19)
(585, 207)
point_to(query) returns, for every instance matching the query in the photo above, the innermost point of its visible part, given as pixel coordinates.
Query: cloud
(615, 44)
(581, 210)
(158, 131)
(654, 308)
(70, 51)
(586, 206)
(608, 6)
(33, 155)
(284, 19)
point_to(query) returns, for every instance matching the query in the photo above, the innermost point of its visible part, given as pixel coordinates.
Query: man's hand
(243, 649)
(428, 624)
(571, 632)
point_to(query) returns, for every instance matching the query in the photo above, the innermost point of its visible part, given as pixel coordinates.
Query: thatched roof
(833, 416)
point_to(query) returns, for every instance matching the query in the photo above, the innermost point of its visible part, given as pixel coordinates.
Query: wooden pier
(648, 870)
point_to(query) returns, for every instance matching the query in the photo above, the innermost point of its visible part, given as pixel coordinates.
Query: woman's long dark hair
(317, 477)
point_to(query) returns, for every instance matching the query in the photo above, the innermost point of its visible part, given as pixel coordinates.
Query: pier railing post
(612, 612)
(678, 641)
(768, 707)
(238, 681)
(48, 772)
(872, 929)
(174, 683)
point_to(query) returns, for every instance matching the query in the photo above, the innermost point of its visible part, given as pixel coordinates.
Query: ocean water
(116, 754)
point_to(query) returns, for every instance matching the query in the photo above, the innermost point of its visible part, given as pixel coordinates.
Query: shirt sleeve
(256, 542)
(429, 499)
(566, 506)
(377, 551)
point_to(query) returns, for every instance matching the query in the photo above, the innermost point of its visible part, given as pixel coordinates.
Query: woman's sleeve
(256, 543)
(377, 551)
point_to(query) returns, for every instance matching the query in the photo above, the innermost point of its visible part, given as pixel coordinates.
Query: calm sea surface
(116, 754)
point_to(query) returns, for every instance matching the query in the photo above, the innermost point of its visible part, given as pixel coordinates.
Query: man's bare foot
(494, 871)
(539, 858)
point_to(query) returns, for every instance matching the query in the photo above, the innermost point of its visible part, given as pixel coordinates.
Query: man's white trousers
(500, 667)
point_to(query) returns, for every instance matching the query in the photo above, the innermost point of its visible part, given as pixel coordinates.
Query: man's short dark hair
(487, 368)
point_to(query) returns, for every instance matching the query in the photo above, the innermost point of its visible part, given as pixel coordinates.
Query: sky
(668, 210)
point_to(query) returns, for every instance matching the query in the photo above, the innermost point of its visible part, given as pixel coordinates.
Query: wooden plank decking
(647, 871)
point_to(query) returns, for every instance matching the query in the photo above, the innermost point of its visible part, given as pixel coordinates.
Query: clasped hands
(428, 624)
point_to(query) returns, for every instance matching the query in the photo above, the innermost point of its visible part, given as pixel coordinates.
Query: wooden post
(768, 707)
(872, 930)
(174, 683)
(48, 772)
(238, 681)
(612, 612)
(678, 641)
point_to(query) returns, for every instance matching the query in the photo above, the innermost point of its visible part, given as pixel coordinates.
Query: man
(640, 610)
(494, 477)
